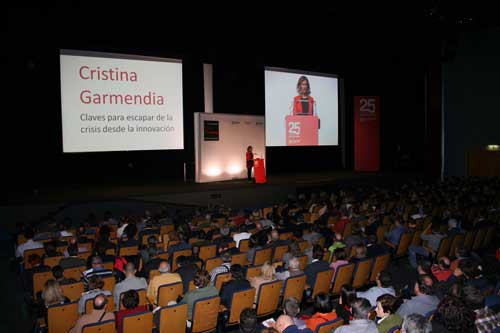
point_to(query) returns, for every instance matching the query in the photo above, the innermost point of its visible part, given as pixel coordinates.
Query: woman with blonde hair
(267, 274)
(52, 294)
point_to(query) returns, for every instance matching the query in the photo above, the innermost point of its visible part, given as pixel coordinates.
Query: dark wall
(471, 92)
(373, 59)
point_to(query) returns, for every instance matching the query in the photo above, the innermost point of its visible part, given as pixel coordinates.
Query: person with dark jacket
(317, 265)
(237, 283)
(187, 270)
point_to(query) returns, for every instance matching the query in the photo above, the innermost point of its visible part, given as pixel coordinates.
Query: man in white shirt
(384, 286)
(237, 237)
(29, 244)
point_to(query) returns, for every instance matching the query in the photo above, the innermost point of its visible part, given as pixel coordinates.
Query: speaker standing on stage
(249, 163)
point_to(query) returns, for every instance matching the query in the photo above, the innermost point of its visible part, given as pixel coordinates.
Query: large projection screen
(115, 102)
(221, 141)
(302, 108)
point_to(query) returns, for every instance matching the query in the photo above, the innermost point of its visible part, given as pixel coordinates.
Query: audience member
(384, 286)
(130, 301)
(202, 290)
(95, 285)
(424, 301)
(131, 282)
(323, 311)
(165, 277)
(98, 314)
(237, 283)
(387, 306)
(360, 308)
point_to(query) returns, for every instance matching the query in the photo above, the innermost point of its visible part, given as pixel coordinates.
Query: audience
(130, 301)
(98, 314)
(317, 265)
(52, 294)
(131, 282)
(249, 322)
(97, 269)
(95, 285)
(384, 286)
(72, 260)
(415, 323)
(484, 318)
(433, 241)
(224, 268)
(343, 307)
(202, 290)
(165, 277)
(323, 311)
(268, 274)
(29, 244)
(291, 307)
(237, 283)
(58, 273)
(452, 315)
(424, 301)
(186, 269)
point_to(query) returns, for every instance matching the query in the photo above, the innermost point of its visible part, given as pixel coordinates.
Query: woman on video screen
(303, 104)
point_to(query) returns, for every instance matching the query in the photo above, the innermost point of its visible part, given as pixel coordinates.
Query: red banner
(301, 130)
(366, 133)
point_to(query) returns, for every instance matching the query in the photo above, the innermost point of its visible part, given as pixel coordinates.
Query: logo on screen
(294, 128)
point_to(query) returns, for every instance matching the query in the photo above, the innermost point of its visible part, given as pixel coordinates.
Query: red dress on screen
(298, 101)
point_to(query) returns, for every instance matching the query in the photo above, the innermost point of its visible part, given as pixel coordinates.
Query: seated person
(343, 308)
(359, 253)
(72, 260)
(187, 270)
(485, 319)
(249, 322)
(95, 284)
(338, 259)
(387, 305)
(293, 270)
(452, 315)
(237, 283)
(416, 323)
(292, 309)
(97, 269)
(424, 302)
(203, 290)
(98, 314)
(324, 311)
(268, 274)
(337, 243)
(317, 265)
(52, 294)
(442, 270)
(130, 301)
(384, 286)
(58, 273)
(165, 277)
(360, 308)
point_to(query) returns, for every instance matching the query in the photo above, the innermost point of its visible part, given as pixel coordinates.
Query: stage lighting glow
(213, 172)
(234, 169)
(493, 147)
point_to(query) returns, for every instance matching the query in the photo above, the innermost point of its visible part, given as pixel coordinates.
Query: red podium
(302, 130)
(259, 170)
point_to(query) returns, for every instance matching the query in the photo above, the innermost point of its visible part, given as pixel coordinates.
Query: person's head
(130, 269)
(454, 315)
(444, 263)
(360, 308)
(29, 233)
(236, 272)
(97, 262)
(201, 278)
(416, 323)
(291, 307)
(275, 235)
(58, 272)
(322, 303)
(248, 320)
(95, 282)
(339, 254)
(249, 149)
(293, 264)
(34, 259)
(473, 298)
(283, 322)
(100, 302)
(295, 249)
(347, 295)
(52, 293)
(387, 304)
(424, 285)
(268, 272)
(164, 267)
(338, 237)
(317, 252)
(72, 250)
(384, 279)
(226, 257)
(224, 231)
(130, 299)
(360, 251)
(303, 87)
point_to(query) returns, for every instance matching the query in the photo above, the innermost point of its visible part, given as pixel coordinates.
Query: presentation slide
(301, 108)
(115, 102)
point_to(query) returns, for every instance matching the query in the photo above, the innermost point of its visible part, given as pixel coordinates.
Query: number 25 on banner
(294, 127)
(367, 105)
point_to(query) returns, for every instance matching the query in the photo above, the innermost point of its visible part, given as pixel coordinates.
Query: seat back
(84, 255)
(73, 291)
(294, 287)
(89, 304)
(262, 255)
(381, 230)
(403, 245)
(279, 251)
(186, 253)
(109, 283)
(342, 275)
(394, 329)
(108, 326)
(244, 245)
(169, 292)
(61, 318)
(416, 239)
(381, 263)
(128, 251)
(478, 240)
(455, 243)
(469, 240)
(220, 279)
(52, 261)
(142, 298)
(241, 300)
(329, 326)
(173, 318)
(322, 282)
(211, 263)
(205, 314)
(444, 248)
(302, 262)
(268, 297)
(138, 322)
(109, 265)
(362, 272)
(208, 251)
(39, 280)
(27, 253)
(240, 258)
(286, 235)
(253, 271)
(74, 272)
(304, 245)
